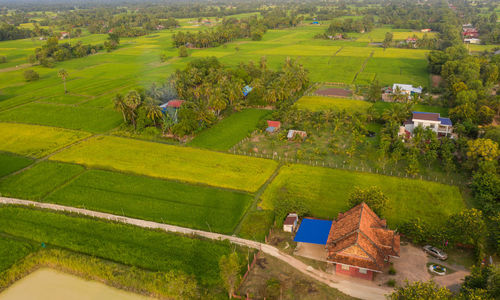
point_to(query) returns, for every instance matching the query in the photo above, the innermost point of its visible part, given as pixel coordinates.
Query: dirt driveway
(412, 266)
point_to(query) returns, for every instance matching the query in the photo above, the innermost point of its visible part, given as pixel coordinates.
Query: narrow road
(354, 287)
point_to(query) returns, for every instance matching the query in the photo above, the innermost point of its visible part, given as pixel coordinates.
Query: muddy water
(45, 284)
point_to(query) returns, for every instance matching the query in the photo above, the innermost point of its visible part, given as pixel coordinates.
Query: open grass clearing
(78, 118)
(319, 103)
(326, 192)
(381, 106)
(125, 244)
(10, 163)
(36, 182)
(36, 141)
(157, 200)
(171, 162)
(226, 133)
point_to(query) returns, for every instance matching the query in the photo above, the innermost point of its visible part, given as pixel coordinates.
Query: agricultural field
(78, 118)
(129, 245)
(145, 198)
(36, 141)
(325, 193)
(39, 180)
(226, 133)
(12, 250)
(171, 162)
(378, 34)
(11, 163)
(320, 103)
(380, 107)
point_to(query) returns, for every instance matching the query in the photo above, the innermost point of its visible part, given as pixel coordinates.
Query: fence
(348, 166)
(249, 268)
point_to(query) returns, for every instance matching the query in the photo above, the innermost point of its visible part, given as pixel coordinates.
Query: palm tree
(63, 75)
(132, 101)
(120, 106)
(153, 111)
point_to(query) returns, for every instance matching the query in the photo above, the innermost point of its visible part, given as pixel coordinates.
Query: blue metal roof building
(313, 231)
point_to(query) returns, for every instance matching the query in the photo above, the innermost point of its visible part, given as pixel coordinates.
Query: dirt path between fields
(18, 67)
(354, 287)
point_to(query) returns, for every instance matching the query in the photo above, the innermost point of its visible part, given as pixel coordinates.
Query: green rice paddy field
(228, 132)
(326, 191)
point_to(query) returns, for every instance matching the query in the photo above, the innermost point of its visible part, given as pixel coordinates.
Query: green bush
(391, 282)
(31, 75)
(183, 52)
(3, 59)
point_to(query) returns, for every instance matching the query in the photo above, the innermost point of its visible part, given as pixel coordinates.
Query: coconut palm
(132, 101)
(63, 74)
(119, 105)
(153, 111)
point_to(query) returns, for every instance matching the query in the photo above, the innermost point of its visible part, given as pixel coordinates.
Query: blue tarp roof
(445, 121)
(247, 89)
(313, 231)
(271, 129)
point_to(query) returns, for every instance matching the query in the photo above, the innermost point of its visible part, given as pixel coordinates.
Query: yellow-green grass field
(378, 34)
(320, 103)
(326, 192)
(171, 162)
(36, 141)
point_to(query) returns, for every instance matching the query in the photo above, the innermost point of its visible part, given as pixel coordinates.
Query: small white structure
(292, 133)
(406, 88)
(441, 126)
(472, 41)
(290, 223)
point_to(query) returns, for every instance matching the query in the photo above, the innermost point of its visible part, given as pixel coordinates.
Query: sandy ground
(49, 284)
(313, 251)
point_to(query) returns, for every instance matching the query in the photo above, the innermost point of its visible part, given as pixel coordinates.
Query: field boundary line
(335, 54)
(362, 67)
(363, 290)
(64, 184)
(256, 199)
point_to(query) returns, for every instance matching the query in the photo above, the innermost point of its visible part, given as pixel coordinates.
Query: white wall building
(406, 88)
(441, 126)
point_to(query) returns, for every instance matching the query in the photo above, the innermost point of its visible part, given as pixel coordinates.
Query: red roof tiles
(175, 103)
(360, 238)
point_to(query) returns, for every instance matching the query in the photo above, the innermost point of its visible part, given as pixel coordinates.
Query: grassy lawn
(36, 182)
(78, 118)
(319, 103)
(171, 162)
(129, 245)
(226, 133)
(36, 141)
(326, 191)
(140, 197)
(10, 163)
(256, 225)
(12, 251)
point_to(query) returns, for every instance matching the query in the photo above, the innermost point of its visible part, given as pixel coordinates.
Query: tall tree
(63, 75)
(229, 271)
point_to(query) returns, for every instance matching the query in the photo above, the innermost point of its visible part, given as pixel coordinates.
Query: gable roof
(360, 238)
(276, 124)
(426, 116)
(445, 121)
(175, 103)
(313, 231)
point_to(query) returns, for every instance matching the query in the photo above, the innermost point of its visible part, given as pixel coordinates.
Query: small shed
(171, 108)
(292, 133)
(273, 126)
(290, 223)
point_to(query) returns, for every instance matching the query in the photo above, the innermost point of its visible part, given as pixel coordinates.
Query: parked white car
(440, 254)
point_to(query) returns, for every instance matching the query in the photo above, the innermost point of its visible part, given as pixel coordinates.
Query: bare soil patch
(335, 92)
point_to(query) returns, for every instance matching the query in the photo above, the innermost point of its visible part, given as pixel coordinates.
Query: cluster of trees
(52, 52)
(231, 28)
(11, 32)
(351, 25)
(209, 88)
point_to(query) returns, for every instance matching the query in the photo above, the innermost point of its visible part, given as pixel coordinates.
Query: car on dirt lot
(440, 254)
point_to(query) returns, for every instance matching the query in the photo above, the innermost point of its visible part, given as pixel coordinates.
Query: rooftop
(360, 238)
(313, 231)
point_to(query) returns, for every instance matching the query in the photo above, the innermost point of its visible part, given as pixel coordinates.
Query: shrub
(273, 287)
(373, 196)
(392, 271)
(391, 282)
(31, 75)
(3, 59)
(183, 52)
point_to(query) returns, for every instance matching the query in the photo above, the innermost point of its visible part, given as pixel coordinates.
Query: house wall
(425, 124)
(354, 272)
(288, 228)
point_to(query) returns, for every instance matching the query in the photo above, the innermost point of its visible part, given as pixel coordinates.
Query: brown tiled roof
(426, 116)
(360, 238)
(290, 220)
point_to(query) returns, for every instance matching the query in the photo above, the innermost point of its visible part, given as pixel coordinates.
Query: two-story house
(442, 126)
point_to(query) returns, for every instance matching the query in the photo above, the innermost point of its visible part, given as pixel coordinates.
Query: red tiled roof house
(359, 243)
